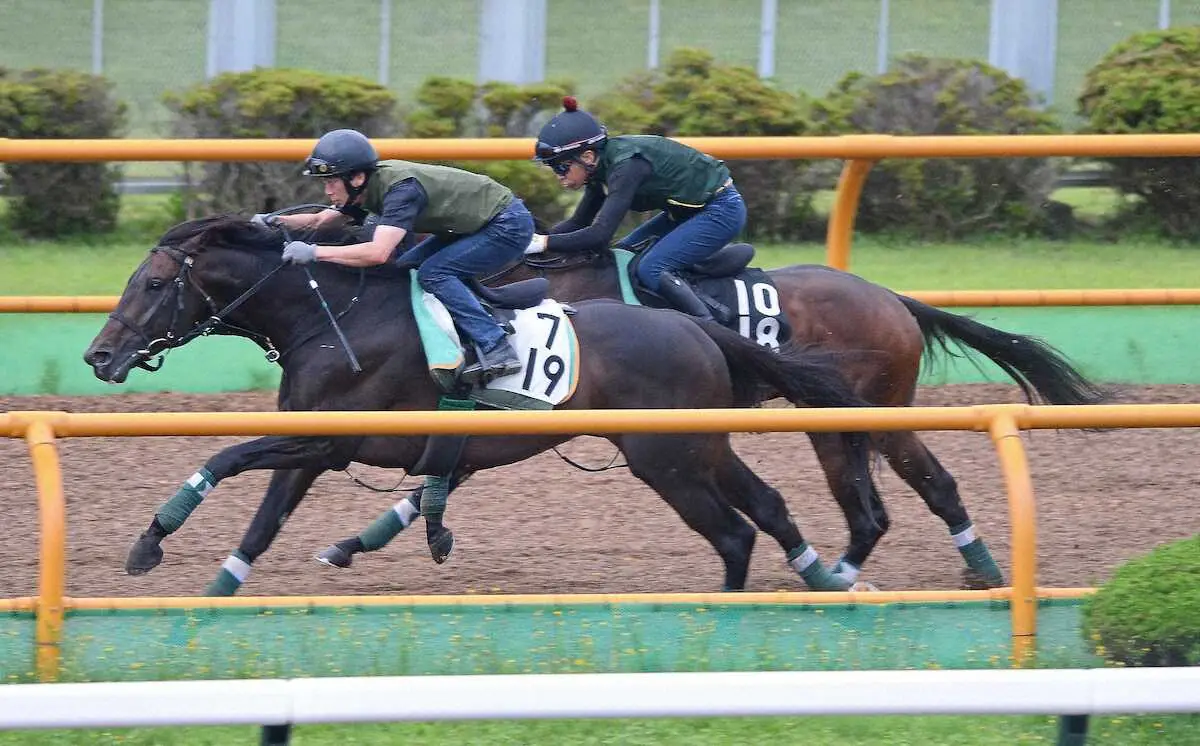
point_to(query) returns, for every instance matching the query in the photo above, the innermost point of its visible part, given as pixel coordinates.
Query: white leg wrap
(801, 563)
(200, 484)
(407, 511)
(846, 571)
(964, 537)
(237, 567)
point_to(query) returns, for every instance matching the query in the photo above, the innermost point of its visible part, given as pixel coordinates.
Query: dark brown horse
(224, 275)
(838, 311)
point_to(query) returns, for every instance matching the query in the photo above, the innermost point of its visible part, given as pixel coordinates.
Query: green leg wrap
(980, 559)
(230, 577)
(175, 511)
(976, 554)
(433, 499)
(387, 526)
(805, 561)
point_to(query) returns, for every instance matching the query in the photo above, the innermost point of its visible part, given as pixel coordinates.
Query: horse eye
(154, 283)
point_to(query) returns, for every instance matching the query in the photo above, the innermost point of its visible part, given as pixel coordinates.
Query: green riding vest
(682, 176)
(459, 201)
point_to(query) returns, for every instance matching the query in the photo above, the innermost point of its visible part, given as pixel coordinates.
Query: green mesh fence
(16, 646)
(121, 645)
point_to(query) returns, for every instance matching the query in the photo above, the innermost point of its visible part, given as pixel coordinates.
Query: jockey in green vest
(477, 226)
(700, 209)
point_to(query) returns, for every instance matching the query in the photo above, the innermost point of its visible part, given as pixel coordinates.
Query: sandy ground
(543, 526)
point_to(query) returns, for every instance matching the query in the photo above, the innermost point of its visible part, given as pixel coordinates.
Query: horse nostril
(97, 357)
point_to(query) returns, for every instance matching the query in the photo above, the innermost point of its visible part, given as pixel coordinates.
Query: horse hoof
(973, 580)
(334, 556)
(145, 555)
(441, 544)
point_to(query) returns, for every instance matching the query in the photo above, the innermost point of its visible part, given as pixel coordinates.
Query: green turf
(811, 731)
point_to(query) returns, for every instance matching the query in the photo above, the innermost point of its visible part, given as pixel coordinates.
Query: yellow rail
(859, 152)
(846, 147)
(1002, 421)
(942, 298)
(565, 599)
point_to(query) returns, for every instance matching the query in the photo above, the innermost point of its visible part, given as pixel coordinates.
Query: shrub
(1147, 614)
(275, 103)
(447, 107)
(1150, 83)
(941, 198)
(55, 199)
(693, 96)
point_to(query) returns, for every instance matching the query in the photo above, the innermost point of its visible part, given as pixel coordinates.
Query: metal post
(1022, 42)
(385, 40)
(652, 33)
(97, 37)
(241, 35)
(1072, 730)
(512, 41)
(882, 38)
(766, 39)
(1164, 14)
(276, 735)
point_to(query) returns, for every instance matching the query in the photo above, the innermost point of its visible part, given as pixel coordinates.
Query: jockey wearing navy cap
(700, 209)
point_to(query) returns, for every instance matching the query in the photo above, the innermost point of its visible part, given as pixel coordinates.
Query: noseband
(216, 322)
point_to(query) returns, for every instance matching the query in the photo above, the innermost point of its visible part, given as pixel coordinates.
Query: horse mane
(223, 231)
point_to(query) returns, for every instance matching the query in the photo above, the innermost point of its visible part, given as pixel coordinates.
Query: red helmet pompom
(569, 103)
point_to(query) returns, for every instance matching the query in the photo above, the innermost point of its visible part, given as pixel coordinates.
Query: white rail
(433, 698)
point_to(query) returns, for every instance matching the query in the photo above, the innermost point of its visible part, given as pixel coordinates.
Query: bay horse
(834, 310)
(224, 275)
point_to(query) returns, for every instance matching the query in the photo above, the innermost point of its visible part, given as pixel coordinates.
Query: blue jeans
(683, 244)
(446, 261)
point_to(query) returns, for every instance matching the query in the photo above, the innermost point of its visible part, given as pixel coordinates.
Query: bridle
(217, 321)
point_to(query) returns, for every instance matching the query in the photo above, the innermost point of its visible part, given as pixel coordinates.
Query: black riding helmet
(569, 133)
(341, 153)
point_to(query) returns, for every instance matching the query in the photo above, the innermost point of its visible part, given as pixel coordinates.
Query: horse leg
(917, 466)
(678, 469)
(272, 452)
(866, 518)
(387, 527)
(287, 488)
(766, 507)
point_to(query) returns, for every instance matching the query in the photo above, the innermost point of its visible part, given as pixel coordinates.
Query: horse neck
(286, 307)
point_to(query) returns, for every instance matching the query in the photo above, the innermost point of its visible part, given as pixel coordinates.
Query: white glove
(299, 252)
(537, 245)
(265, 219)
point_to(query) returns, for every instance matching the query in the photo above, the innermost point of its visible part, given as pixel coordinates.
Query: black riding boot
(499, 361)
(680, 295)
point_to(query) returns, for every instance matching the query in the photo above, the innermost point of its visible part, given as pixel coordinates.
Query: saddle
(513, 296)
(728, 262)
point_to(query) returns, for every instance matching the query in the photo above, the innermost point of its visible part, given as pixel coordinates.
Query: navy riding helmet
(568, 134)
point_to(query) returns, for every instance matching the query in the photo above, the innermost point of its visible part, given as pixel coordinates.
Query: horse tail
(807, 376)
(1037, 367)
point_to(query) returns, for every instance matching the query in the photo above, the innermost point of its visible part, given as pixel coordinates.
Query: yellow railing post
(39, 435)
(845, 208)
(1014, 465)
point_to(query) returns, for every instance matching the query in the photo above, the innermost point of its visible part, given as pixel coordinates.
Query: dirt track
(542, 526)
